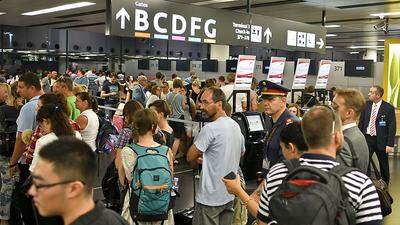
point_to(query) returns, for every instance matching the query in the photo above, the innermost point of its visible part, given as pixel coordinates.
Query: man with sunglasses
(218, 147)
(62, 184)
(274, 99)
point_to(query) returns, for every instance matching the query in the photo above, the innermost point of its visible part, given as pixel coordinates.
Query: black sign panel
(159, 19)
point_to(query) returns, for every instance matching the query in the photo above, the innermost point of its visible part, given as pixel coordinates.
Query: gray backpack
(311, 196)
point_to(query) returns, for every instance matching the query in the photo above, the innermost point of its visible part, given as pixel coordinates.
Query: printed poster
(276, 68)
(300, 75)
(323, 74)
(245, 72)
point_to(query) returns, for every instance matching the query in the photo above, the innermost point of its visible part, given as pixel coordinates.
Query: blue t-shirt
(82, 81)
(108, 87)
(222, 144)
(27, 116)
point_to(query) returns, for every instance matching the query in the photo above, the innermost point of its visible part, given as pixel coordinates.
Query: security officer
(274, 99)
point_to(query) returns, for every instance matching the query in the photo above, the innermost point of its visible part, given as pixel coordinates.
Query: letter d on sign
(175, 18)
(141, 22)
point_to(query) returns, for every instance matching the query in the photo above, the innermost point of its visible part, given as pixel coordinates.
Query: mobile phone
(230, 176)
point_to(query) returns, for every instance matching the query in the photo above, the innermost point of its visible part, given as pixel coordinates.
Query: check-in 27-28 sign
(159, 19)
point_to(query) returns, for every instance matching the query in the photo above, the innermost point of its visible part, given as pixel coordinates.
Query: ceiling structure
(353, 16)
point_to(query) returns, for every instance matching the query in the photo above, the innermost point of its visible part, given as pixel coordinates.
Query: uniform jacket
(273, 150)
(385, 124)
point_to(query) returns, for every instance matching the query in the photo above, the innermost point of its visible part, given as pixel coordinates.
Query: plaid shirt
(28, 154)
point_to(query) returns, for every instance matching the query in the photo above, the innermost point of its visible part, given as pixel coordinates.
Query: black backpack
(311, 196)
(8, 130)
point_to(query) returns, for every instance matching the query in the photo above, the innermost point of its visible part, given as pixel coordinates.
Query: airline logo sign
(157, 19)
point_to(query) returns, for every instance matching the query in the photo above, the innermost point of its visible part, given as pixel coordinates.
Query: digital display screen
(358, 68)
(313, 69)
(143, 64)
(183, 65)
(255, 123)
(231, 66)
(164, 64)
(209, 65)
(265, 67)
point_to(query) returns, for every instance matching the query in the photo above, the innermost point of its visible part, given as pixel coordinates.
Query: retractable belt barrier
(169, 119)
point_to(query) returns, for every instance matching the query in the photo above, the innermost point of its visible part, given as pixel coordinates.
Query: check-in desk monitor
(254, 130)
(255, 123)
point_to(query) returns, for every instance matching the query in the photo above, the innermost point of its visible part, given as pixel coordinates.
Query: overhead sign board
(245, 72)
(159, 19)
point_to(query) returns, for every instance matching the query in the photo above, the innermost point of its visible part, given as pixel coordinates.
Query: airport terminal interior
(199, 112)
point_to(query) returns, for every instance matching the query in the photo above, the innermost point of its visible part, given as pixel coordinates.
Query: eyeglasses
(39, 186)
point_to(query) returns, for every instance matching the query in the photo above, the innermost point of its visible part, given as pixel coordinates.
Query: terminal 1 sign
(159, 19)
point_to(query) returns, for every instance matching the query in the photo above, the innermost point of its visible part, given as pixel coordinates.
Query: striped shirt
(362, 193)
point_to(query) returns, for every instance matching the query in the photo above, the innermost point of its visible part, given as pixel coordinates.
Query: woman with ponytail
(54, 123)
(88, 120)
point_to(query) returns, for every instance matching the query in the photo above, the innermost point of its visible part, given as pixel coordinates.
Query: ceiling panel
(356, 22)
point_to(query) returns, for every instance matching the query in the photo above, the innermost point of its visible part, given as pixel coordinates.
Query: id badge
(382, 123)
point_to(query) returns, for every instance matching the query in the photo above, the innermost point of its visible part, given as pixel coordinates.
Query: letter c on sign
(213, 33)
(157, 25)
(141, 22)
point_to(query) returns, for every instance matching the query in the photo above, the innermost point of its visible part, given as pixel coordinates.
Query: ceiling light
(332, 25)
(381, 40)
(331, 35)
(2, 13)
(328, 46)
(58, 8)
(212, 2)
(354, 53)
(368, 46)
(382, 15)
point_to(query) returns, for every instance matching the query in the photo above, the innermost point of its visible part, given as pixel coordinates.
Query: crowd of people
(59, 120)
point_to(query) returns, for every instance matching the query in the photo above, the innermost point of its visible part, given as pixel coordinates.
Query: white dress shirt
(377, 105)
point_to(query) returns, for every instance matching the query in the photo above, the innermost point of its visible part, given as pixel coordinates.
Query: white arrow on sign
(268, 35)
(320, 43)
(123, 14)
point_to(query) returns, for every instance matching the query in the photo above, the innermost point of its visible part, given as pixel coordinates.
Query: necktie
(373, 120)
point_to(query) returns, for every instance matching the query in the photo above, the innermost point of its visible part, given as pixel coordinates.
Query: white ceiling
(353, 15)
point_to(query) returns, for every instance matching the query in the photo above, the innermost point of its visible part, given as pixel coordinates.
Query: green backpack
(151, 184)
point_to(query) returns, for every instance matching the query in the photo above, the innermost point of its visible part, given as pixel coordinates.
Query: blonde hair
(10, 97)
(79, 88)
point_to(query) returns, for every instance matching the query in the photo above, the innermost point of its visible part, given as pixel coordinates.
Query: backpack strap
(339, 171)
(292, 164)
(353, 152)
(342, 170)
(137, 149)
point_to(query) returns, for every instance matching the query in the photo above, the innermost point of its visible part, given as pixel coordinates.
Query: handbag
(383, 191)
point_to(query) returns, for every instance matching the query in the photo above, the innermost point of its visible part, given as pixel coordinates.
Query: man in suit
(378, 123)
(349, 103)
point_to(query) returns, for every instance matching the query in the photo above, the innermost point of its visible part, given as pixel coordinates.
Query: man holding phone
(218, 146)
